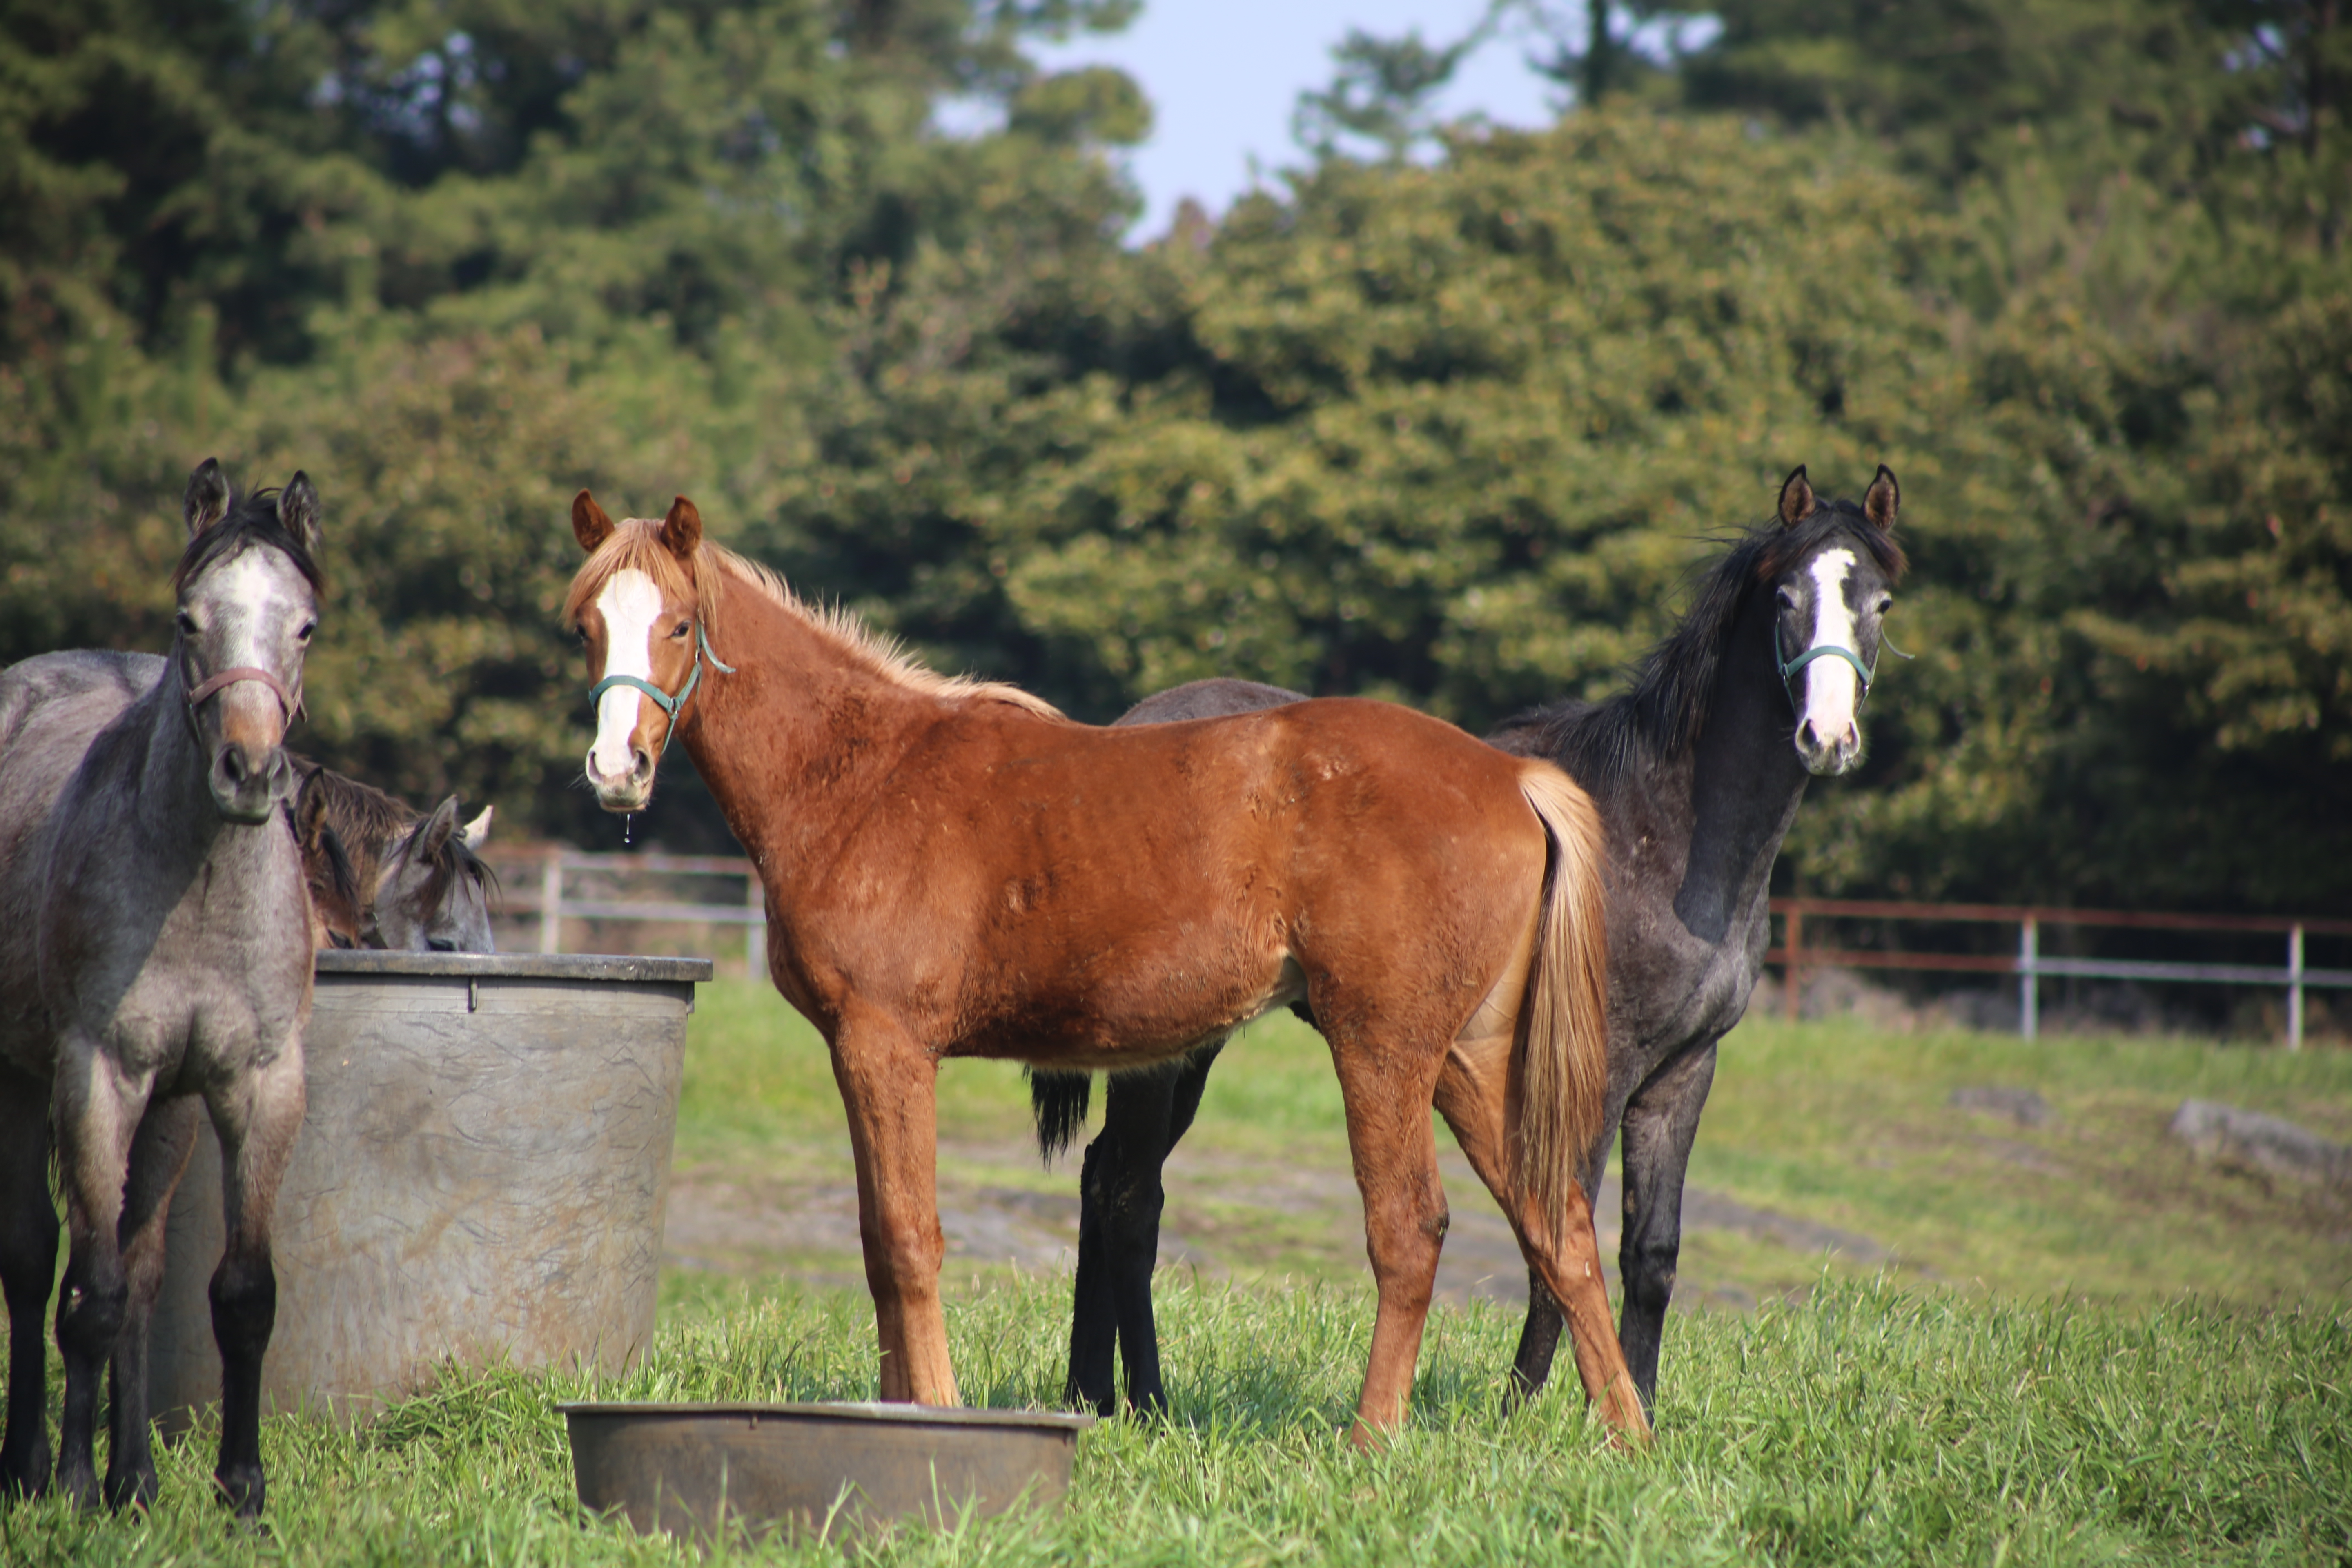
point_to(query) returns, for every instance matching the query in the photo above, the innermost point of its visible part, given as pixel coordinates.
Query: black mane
(253, 520)
(1604, 744)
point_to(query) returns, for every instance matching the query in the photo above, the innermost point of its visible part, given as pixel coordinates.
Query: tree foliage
(1448, 430)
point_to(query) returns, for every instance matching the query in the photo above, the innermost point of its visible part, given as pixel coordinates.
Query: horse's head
(642, 610)
(1832, 570)
(249, 601)
(432, 892)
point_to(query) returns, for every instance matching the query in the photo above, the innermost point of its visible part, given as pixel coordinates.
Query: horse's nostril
(233, 764)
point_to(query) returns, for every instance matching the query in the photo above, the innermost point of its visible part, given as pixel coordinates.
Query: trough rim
(832, 1410)
(368, 962)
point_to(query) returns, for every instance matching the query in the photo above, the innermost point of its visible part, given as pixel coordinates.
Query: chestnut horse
(952, 869)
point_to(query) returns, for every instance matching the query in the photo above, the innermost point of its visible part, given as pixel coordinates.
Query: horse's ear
(298, 509)
(681, 531)
(590, 526)
(1795, 498)
(207, 499)
(310, 815)
(478, 832)
(1884, 499)
(429, 839)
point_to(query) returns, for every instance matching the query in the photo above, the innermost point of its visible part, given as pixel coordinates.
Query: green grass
(1872, 1424)
(2109, 1352)
(1852, 1126)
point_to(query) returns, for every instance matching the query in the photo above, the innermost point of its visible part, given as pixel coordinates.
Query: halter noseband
(289, 701)
(668, 704)
(1788, 667)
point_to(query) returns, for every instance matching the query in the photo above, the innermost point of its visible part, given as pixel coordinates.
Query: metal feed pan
(805, 1469)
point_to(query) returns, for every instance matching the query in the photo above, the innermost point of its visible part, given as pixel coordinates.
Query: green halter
(663, 700)
(1788, 667)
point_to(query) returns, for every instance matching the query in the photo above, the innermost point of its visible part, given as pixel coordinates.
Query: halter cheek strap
(669, 705)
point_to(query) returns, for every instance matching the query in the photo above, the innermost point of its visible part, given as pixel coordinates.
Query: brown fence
(2031, 966)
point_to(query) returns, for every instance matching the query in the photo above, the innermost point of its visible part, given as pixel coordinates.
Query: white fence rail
(554, 871)
(2031, 966)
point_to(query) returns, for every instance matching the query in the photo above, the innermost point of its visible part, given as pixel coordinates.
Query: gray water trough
(479, 1178)
(805, 1470)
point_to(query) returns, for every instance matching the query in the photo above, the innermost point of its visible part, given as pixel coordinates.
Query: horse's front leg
(1661, 1122)
(97, 1112)
(889, 1087)
(159, 1154)
(256, 1120)
(29, 1268)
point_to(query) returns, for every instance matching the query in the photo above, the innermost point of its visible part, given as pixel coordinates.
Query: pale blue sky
(1222, 76)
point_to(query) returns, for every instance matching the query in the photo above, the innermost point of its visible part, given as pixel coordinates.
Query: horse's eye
(1788, 599)
(683, 627)
(1886, 604)
(303, 634)
(186, 623)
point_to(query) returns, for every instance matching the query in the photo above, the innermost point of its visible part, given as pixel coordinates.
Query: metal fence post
(551, 902)
(755, 932)
(2295, 989)
(2028, 989)
(1792, 978)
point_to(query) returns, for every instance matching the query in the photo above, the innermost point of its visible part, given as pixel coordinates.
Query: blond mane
(635, 544)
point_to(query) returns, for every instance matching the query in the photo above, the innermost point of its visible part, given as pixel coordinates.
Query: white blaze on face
(630, 603)
(249, 611)
(1831, 683)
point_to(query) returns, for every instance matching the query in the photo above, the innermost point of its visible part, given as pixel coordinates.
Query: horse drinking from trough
(1697, 771)
(422, 886)
(155, 961)
(952, 869)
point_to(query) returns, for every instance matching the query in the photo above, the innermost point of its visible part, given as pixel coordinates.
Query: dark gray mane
(1660, 715)
(253, 520)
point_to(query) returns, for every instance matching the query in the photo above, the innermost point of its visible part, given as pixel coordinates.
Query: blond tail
(1563, 1035)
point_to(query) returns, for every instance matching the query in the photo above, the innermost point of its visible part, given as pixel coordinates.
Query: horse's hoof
(80, 1483)
(241, 1487)
(135, 1490)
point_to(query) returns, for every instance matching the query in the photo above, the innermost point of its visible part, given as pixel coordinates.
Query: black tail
(1059, 1101)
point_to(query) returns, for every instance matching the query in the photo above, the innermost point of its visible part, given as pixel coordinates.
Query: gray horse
(155, 962)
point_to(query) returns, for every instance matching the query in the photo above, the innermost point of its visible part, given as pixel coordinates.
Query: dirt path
(1226, 1218)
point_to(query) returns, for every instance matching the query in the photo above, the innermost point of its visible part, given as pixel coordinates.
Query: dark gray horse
(154, 963)
(1697, 770)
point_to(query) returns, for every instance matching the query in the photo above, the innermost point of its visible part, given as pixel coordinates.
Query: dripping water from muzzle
(628, 823)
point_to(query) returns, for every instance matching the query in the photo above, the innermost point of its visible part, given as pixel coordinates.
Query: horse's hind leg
(28, 1264)
(889, 1087)
(159, 1154)
(256, 1120)
(1387, 1094)
(1470, 1096)
(1144, 1114)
